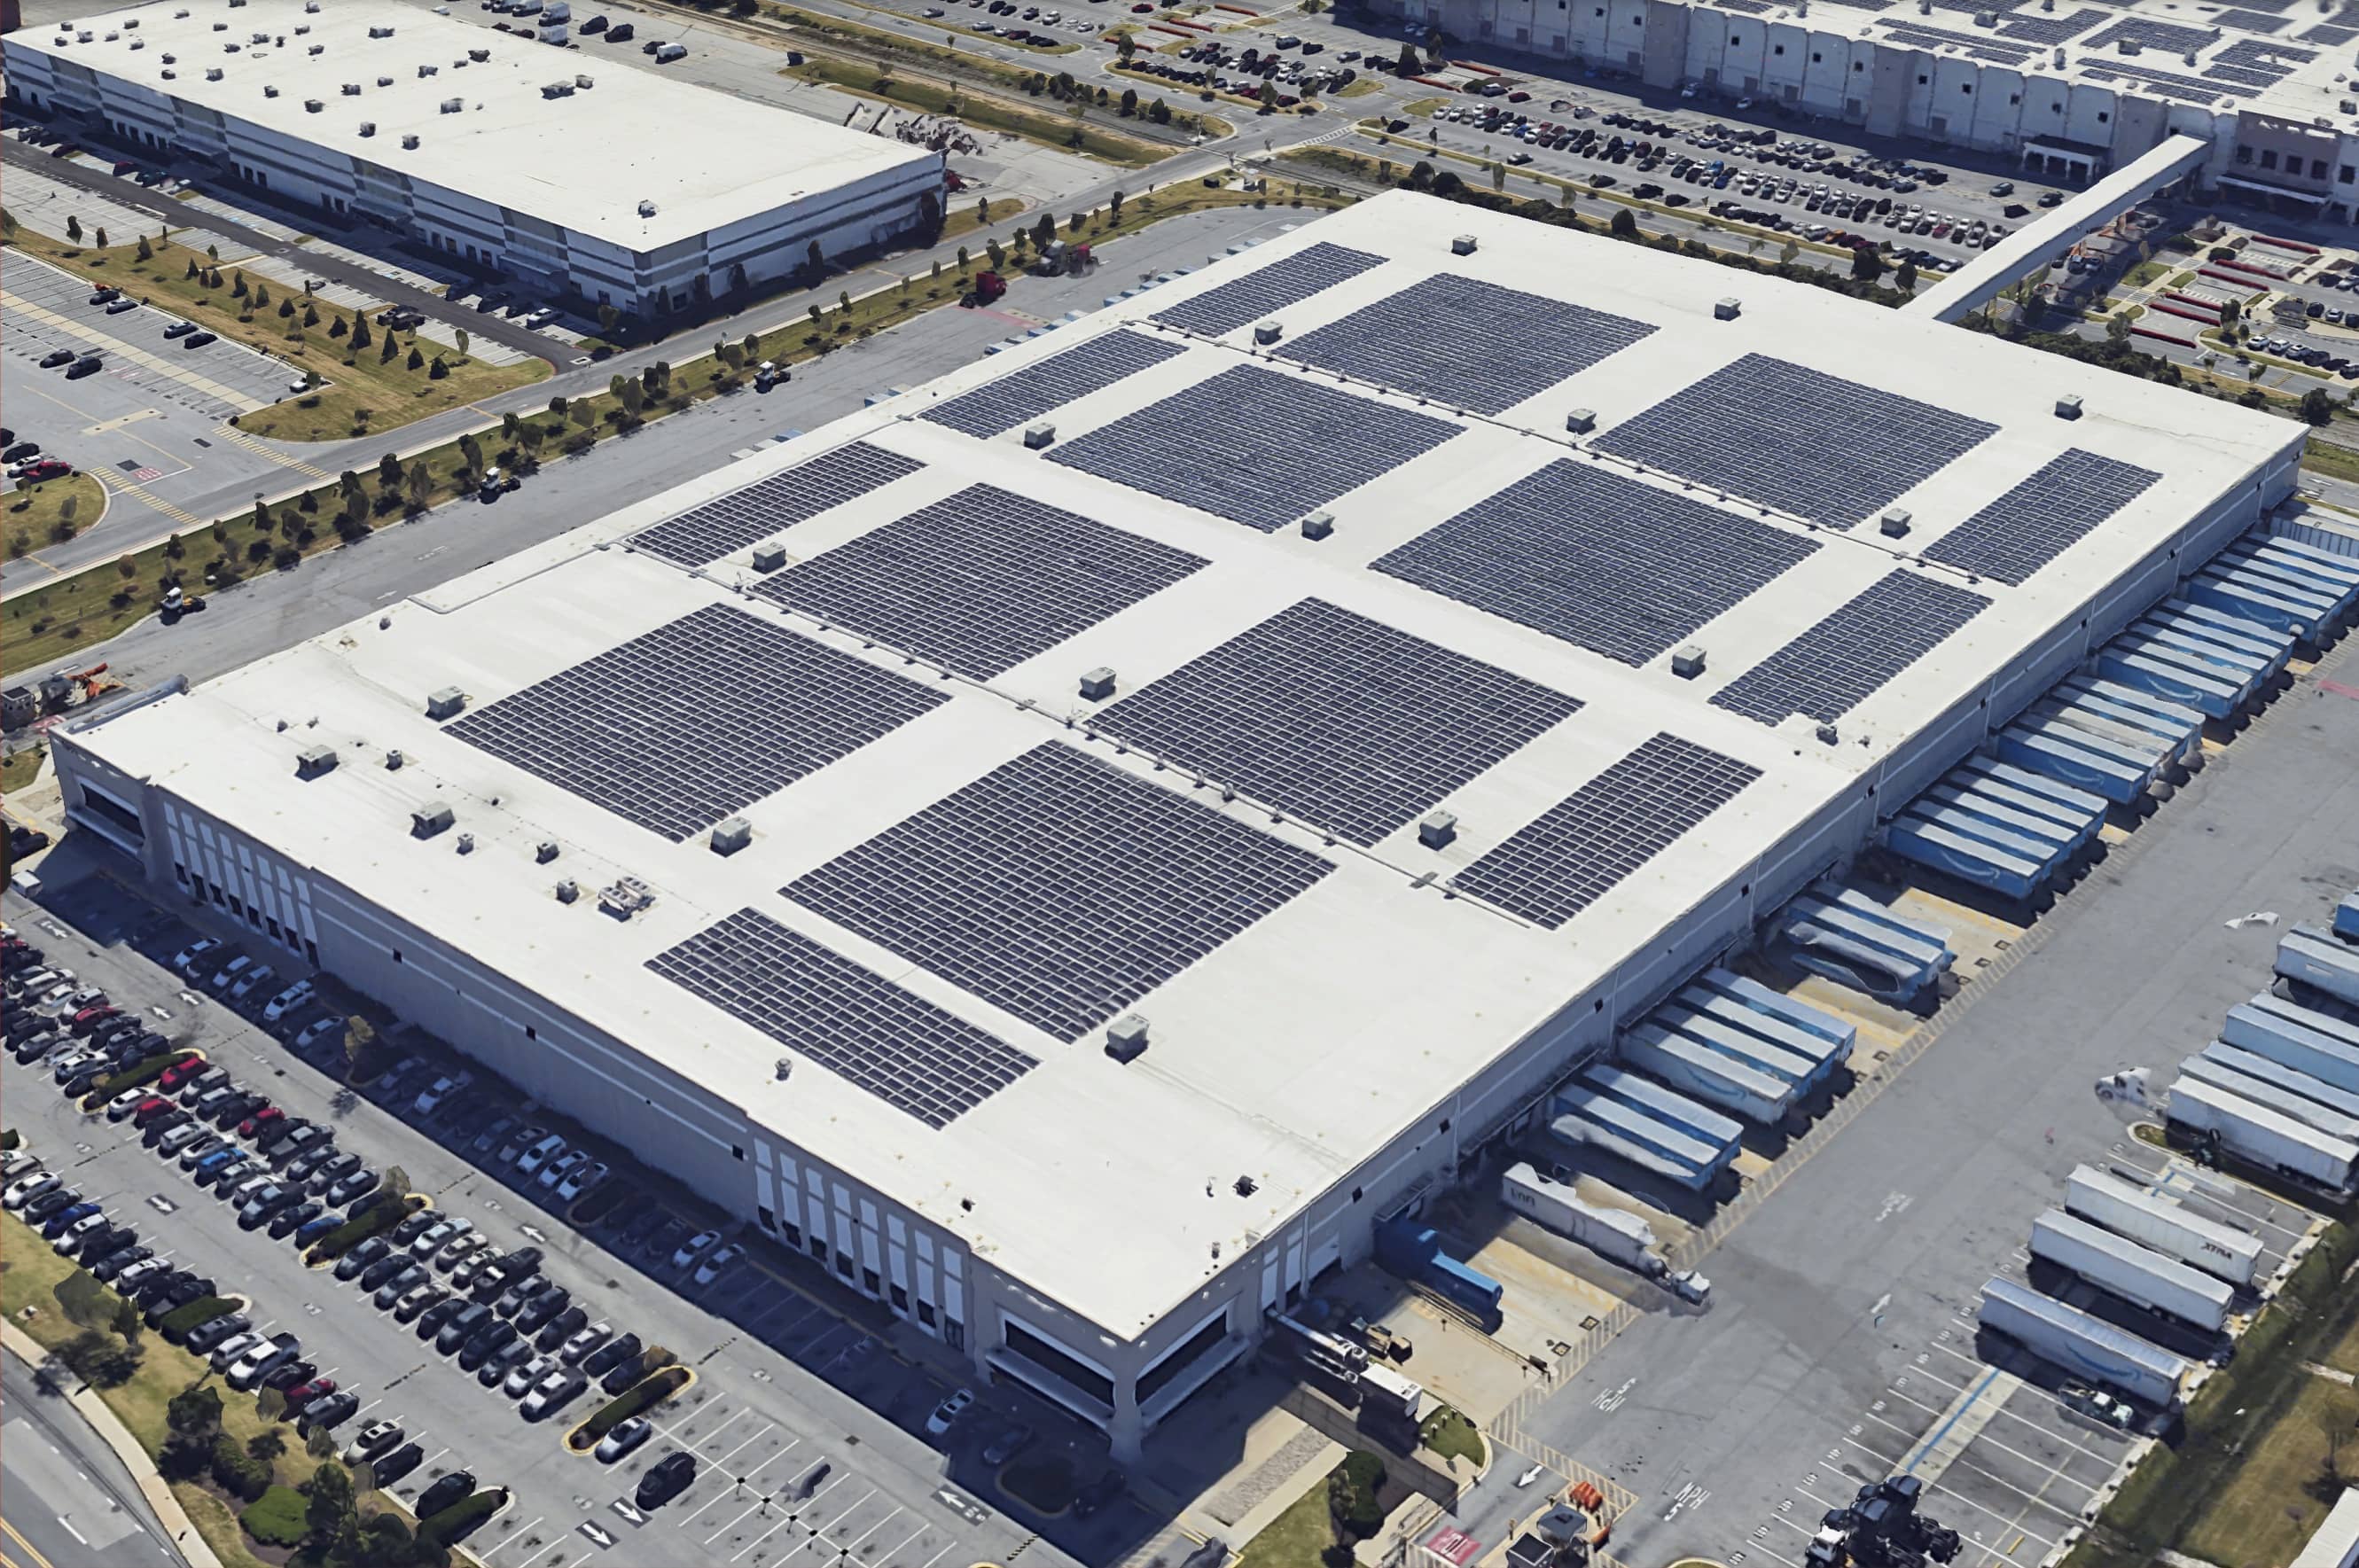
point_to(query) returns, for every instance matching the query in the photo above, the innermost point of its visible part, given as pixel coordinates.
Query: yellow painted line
(259, 449)
(27, 1547)
(104, 426)
(178, 372)
(139, 492)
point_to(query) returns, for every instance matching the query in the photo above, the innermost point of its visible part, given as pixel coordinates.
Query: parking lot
(786, 1380)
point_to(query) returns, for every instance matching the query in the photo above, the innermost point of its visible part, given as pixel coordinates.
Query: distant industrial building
(1080, 848)
(2070, 88)
(568, 173)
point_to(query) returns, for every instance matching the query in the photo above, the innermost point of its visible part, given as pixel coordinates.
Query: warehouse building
(2073, 88)
(569, 173)
(1074, 846)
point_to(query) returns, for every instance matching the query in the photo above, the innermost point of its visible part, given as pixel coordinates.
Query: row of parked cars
(24, 462)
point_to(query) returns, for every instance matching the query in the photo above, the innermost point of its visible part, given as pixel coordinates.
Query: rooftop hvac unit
(479, 55)
(368, 127)
(626, 898)
(429, 819)
(2068, 407)
(1829, 735)
(445, 704)
(1581, 421)
(392, 759)
(466, 844)
(732, 835)
(568, 890)
(268, 91)
(545, 851)
(1985, 18)
(1462, 245)
(314, 760)
(1037, 436)
(428, 69)
(1687, 662)
(384, 81)
(1126, 1037)
(380, 32)
(171, 60)
(312, 105)
(1436, 829)
(170, 75)
(351, 89)
(1895, 522)
(1727, 309)
(1097, 684)
(769, 556)
(1318, 525)
(409, 141)
(317, 48)
(212, 73)
(2128, 45)
(647, 209)
(1268, 332)
(583, 82)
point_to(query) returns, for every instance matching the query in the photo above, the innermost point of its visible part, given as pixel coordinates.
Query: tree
(2230, 311)
(1904, 277)
(607, 319)
(843, 296)
(392, 347)
(470, 452)
(2317, 408)
(1498, 177)
(1624, 225)
(286, 309)
(360, 331)
(459, 336)
(1867, 263)
(583, 415)
(261, 297)
(415, 360)
(267, 1444)
(195, 1410)
(557, 405)
(420, 484)
(82, 1299)
(320, 1443)
(147, 252)
(509, 425)
(1125, 46)
(331, 1513)
(1128, 102)
(1268, 93)
(397, 1180)
(998, 256)
(1044, 231)
(128, 1322)
(1159, 112)
(436, 370)
(1787, 253)
(2117, 329)
(102, 236)
(817, 316)
(818, 262)
(634, 398)
(192, 268)
(73, 229)
(357, 1032)
(1407, 63)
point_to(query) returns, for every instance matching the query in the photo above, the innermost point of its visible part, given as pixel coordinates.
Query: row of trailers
(2013, 815)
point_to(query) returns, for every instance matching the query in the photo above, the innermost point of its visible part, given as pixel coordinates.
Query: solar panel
(1255, 446)
(864, 1029)
(1573, 855)
(1280, 284)
(702, 534)
(2040, 518)
(1338, 719)
(1473, 344)
(682, 726)
(1058, 888)
(981, 580)
(1852, 652)
(1815, 445)
(2150, 34)
(1051, 383)
(2039, 29)
(1607, 561)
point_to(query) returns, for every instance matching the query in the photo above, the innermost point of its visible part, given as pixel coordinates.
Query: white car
(713, 1268)
(129, 1101)
(314, 1033)
(946, 1414)
(439, 1236)
(251, 1367)
(188, 957)
(520, 1381)
(28, 1187)
(286, 1001)
(694, 1248)
(226, 1352)
(563, 1166)
(582, 1179)
(540, 1154)
(74, 1235)
(429, 1099)
(229, 971)
(373, 1437)
(250, 981)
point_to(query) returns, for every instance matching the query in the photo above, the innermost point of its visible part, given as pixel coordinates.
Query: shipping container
(1616, 1234)
(2261, 1136)
(2346, 918)
(2163, 1224)
(2312, 956)
(1642, 1094)
(1413, 1252)
(1696, 1069)
(2301, 1038)
(1834, 1037)
(2310, 1101)
(2087, 1347)
(2134, 1272)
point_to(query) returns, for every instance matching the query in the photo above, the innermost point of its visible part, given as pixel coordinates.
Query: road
(69, 1501)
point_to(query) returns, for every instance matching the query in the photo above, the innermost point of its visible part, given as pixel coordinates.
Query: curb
(185, 1538)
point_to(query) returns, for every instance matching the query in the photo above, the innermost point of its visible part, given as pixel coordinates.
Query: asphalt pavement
(69, 1501)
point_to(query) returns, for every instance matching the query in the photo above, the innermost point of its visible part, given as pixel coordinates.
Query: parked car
(288, 1000)
(694, 1247)
(719, 1263)
(361, 1256)
(668, 1477)
(555, 1389)
(259, 1362)
(295, 1216)
(323, 1415)
(432, 1097)
(372, 1439)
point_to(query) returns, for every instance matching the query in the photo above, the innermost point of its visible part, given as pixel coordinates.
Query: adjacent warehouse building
(572, 173)
(1073, 846)
(2074, 88)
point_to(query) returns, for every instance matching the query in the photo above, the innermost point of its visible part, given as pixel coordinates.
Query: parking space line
(512, 1535)
(2008, 1411)
(905, 1545)
(938, 1557)
(109, 343)
(725, 1529)
(768, 1428)
(774, 1458)
(853, 1544)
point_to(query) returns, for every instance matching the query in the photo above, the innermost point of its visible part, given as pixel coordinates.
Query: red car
(302, 1394)
(149, 1109)
(260, 1121)
(90, 1018)
(180, 1073)
(47, 468)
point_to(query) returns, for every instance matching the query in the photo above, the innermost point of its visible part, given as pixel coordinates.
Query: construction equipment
(69, 686)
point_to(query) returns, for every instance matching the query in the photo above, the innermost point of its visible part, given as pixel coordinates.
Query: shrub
(276, 1519)
(463, 1515)
(106, 1089)
(203, 1309)
(1351, 1493)
(237, 1472)
(383, 1211)
(649, 1391)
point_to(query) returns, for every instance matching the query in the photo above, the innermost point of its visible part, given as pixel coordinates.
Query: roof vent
(1247, 1186)
(647, 209)
(732, 835)
(568, 890)
(769, 556)
(2129, 46)
(1126, 1037)
(1318, 525)
(1038, 435)
(1727, 309)
(212, 73)
(784, 1067)
(2068, 406)
(409, 141)
(452, 106)
(1895, 521)
(351, 89)
(312, 105)
(479, 56)
(268, 91)
(1462, 245)
(583, 82)
(314, 760)
(1687, 662)
(429, 819)
(317, 48)
(445, 704)
(626, 898)
(1581, 421)
(1268, 332)
(368, 127)
(1830, 735)
(545, 851)
(466, 844)
(394, 759)
(374, 32)
(384, 81)
(1436, 829)
(1097, 684)
(1985, 18)
(428, 69)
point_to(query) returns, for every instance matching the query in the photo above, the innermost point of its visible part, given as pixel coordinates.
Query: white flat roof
(1295, 1051)
(585, 161)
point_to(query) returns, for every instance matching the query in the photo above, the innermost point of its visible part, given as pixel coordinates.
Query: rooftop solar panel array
(682, 726)
(2040, 518)
(2262, 54)
(1273, 287)
(1470, 343)
(1003, 404)
(1980, 46)
(1598, 559)
(980, 580)
(2151, 34)
(2331, 33)
(1581, 847)
(899, 1047)
(2253, 21)
(1853, 652)
(2034, 28)
(742, 518)
(1337, 719)
(1255, 446)
(1059, 888)
(1808, 443)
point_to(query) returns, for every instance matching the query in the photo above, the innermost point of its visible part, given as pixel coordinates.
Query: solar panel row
(1273, 287)
(1854, 651)
(702, 534)
(2040, 518)
(1009, 400)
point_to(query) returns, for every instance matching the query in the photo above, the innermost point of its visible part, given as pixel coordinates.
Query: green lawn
(2335, 462)
(21, 768)
(1295, 1537)
(51, 512)
(364, 391)
(1453, 1436)
(1050, 127)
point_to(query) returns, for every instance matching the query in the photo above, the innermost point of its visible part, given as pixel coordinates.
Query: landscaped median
(375, 379)
(48, 625)
(888, 84)
(384, 1211)
(662, 1381)
(131, 1077)
(52, 512)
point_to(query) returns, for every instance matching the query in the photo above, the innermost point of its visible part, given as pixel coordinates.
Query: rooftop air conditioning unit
(409, 141)
(1268, 332)
(314, 760)
(1686, 661)
(351, 89)
(1985, 18)
(1037, 436)
(481, 54)
(2129, 46)
(1581, 421)
(545, 851)
(647, 209)
(1318, 525)
(466, 844)
(1895, 521)
(568, 890)
(317, 48)
(384, 81)
(268, 91)
(1727, 309)
(1097, 684)
(394, 759)
(380, 32)
(429, 819)
(452, 106)
(171, 60)
(626, 898)
(2068, 407)
(1126, 1037)
(732, 835)
(427, 70)
(368, 127)
(312, 105)
(212, 73)
(170, 75)
(769, 556)
(583, 82)
(446, 702)
(1462, 245)
(1436, 829)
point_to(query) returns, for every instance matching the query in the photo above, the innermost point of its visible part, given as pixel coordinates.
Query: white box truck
(2138, 1275)
(1623, 1237)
